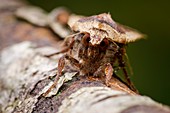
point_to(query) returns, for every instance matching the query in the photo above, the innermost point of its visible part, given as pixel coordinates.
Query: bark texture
(26, 73)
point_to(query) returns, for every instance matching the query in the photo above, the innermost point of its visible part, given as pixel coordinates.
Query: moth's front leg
(106, 70)
(69, 40)
(61, 65)
(73, 61)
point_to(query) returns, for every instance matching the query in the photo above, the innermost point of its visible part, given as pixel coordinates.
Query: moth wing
(128, 34)
(73, 19)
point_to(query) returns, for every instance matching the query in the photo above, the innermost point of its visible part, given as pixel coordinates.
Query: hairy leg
(122, 65)
(65, 49)
(106, 70)
(108, 73)
(61, 65)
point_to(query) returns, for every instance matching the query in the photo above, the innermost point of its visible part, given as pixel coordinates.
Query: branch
(25, 74)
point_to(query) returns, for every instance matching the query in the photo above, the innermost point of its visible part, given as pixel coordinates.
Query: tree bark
(26, 73)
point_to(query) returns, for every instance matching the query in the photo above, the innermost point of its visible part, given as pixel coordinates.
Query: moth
(97, 45)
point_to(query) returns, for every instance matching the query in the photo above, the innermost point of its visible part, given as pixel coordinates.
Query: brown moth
(96, 47)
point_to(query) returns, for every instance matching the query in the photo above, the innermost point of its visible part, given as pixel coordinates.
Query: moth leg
(99, 72)
(108, 72)
(129, 82)
(73, 61)
(122, 65)
(63, 50)
(61, 64)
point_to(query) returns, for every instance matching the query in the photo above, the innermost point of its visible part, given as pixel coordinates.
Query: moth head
(103, 26)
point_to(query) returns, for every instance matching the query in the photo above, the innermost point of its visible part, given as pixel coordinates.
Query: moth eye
(86, 39)
(104, 43)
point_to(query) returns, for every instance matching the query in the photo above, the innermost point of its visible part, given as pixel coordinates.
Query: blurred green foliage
(150, 58)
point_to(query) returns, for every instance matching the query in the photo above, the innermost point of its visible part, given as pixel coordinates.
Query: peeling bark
(13, 30)
(25, 73)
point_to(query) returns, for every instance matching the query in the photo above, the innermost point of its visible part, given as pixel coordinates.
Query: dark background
(149, 58)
